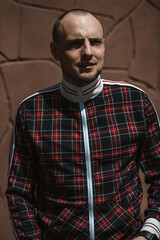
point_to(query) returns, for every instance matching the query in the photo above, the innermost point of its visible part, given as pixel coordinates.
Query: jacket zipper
(88, 165)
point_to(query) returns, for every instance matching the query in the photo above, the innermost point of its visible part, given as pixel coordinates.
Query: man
(79, 144)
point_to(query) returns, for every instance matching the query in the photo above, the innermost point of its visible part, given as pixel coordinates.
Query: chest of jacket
(116, 132)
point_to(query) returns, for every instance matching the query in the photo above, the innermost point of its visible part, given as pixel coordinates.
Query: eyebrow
(75, 40)
(81, 40)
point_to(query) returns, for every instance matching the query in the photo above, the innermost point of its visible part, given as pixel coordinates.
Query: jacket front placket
(88, 164)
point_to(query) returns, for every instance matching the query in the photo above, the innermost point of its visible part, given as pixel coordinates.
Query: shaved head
(78, 44)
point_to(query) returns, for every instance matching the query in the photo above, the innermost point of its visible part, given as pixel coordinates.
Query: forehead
(74, 25)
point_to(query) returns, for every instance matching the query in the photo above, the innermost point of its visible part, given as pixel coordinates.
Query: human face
(81, 48)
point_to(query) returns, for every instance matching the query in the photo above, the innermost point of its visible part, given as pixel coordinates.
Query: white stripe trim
(88, 166)
(152, 225)
(120, 83)
(89, 91)
(13, 141)
(51, 89)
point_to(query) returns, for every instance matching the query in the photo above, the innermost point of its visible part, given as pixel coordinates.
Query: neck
(89, 91)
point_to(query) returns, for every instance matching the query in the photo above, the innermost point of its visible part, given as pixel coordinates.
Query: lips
(86, 65)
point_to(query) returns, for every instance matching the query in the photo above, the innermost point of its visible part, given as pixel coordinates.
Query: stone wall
(132, 32)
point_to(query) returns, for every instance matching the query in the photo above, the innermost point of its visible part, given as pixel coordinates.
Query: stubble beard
(80, 80)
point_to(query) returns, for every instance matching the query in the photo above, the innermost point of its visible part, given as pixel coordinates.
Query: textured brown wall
(132, 31)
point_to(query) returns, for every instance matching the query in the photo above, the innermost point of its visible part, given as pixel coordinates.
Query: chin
(89, 76)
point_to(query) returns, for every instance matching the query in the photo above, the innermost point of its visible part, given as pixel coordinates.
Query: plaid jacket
(74, 163)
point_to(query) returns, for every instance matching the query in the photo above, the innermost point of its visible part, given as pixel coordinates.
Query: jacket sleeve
(20, 191)
(150, 164)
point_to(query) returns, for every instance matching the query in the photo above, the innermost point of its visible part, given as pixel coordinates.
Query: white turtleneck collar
(71, 92)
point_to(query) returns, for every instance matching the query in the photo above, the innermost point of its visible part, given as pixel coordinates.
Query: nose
(87, 49)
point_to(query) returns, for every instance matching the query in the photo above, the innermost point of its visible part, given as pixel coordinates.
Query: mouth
(86, 65)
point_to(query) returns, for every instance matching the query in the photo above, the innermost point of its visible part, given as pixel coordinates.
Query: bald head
(58, 26)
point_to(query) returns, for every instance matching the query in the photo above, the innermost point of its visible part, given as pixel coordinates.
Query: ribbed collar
(71, 92)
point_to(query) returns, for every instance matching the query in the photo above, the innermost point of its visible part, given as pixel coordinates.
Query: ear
(54, 50)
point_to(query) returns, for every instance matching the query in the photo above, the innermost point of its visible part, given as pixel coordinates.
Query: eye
(95, 41)
(77, 43)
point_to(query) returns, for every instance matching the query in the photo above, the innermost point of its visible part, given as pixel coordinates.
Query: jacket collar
(71, 92)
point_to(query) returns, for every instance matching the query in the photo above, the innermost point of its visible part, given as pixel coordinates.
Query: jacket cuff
(152, 225)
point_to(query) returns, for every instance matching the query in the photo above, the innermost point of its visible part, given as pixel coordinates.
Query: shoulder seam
(121, 83)
(50, 89)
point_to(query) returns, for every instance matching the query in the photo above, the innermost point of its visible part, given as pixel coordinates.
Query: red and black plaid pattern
(49, 158)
